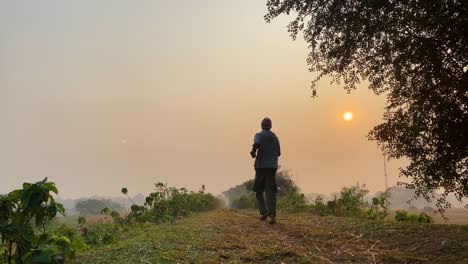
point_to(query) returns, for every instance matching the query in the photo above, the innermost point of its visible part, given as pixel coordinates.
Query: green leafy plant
(378, 209)
(100, 234)
(170, 203)
(403, 216)
(319, 207)
(413, 218)
(425, 218)
(350, 201)
(24, 215)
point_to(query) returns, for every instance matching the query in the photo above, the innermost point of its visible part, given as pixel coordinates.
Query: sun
(348, 116)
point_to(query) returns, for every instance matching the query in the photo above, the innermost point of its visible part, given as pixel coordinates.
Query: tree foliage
(416, 53)
(95, 206)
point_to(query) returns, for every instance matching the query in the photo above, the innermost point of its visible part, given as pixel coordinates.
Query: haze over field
(100, 95)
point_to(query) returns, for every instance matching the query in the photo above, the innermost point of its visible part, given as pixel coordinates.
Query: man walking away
(266, 150)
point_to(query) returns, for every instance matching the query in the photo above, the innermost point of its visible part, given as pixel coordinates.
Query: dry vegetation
(458, 216)
(232, 236)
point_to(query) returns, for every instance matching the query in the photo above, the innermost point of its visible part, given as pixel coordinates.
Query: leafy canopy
(416, 53)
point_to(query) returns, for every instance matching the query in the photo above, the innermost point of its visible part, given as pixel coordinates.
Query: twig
(347, 251)
(317, 248)
(372, 246)
(416, 247)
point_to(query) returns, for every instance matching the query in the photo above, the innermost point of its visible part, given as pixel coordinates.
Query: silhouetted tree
(416, 53)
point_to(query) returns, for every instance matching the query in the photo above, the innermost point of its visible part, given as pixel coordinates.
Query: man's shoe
(263, 217)
(272, 219)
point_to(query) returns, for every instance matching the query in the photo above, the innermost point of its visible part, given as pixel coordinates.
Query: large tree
(416, 53)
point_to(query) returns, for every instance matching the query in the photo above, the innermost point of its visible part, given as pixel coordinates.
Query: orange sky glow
(101, 95)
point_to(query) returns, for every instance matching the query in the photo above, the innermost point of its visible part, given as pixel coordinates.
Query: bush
(413, 218)
(247, 201)
(319, 207)
(24, 217)
(100, 234)
(293, 201)
(425, 219)
(170, 203)
(76, 239)
(403, 216)
(378, 209)
(350, 202)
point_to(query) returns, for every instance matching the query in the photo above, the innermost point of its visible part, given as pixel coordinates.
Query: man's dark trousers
(265, 182)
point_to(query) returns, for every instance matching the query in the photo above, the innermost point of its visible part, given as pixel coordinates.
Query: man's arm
(255, 146)
(279, 147)
(253, 153)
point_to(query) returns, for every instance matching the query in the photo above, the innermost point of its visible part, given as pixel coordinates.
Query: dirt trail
(229, 236)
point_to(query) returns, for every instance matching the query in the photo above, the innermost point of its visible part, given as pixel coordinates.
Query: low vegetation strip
(235, 236)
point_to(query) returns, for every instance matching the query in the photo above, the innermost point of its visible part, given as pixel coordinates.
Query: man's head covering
(266, 123)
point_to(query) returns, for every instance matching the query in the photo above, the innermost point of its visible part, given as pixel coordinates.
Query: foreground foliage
(24, 217)
(165, 204)
(415, 52)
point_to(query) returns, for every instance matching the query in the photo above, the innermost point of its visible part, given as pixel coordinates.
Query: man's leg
(261, 203)
(270, 190)
(259, 187)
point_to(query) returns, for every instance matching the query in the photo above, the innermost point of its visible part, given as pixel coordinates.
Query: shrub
(401, 216)
(425, 219)
(100, 234)
(76, 239)
(293, 201)
(24, 217)
(350, 202)
(170, 203)
(413, 218)
(378, 209)
(246, 201)
(319, 207)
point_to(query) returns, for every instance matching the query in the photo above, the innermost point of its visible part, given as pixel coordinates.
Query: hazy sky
(97, 95)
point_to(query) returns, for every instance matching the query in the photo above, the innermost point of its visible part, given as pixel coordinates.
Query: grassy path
(229, 236)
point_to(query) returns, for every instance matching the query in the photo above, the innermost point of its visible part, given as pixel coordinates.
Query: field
(457, 216)
(233, 236)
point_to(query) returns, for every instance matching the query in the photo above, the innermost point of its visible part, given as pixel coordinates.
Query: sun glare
(348, 116)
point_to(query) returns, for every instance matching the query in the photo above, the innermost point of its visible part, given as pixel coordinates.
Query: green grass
(231, 236)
